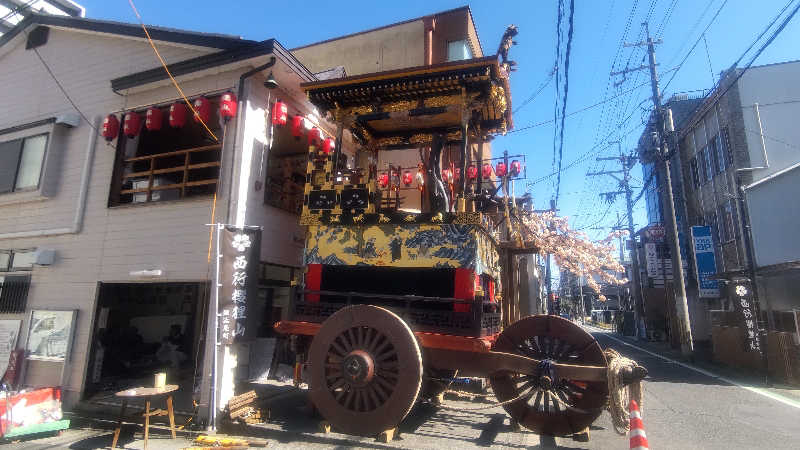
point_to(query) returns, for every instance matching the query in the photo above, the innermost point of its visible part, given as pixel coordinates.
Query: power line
(53, 76)
(716, 14)
(166, 69)
(566, 93)
(585, 108)
(537, 92)
(764, 46)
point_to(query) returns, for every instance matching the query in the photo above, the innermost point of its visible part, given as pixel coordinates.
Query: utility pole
(627, 163)
(663, 152)
(547, 274)
(582, 308)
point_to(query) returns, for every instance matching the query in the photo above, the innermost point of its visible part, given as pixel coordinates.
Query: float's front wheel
(366, 370)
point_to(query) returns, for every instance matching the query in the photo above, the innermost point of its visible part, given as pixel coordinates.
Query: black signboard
(741, 293)
(239, 257)
(322, 199)
(355, 199)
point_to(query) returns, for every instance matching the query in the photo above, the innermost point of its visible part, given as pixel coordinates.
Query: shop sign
(704, 262)
(742, 296)
(651, 258)
(656, 232)
(239, 257)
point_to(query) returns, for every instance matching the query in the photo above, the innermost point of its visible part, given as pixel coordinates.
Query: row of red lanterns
(450, 176)
(178, 113)
(280, 117)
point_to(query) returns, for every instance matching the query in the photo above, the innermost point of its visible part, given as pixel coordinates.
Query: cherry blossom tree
(572, 250)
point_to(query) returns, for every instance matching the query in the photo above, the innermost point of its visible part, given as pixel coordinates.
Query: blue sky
(600, 27)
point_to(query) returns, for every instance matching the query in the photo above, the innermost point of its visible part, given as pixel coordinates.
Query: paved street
(683, 409)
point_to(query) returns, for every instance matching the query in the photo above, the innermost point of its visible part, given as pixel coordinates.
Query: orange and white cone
(637, 434)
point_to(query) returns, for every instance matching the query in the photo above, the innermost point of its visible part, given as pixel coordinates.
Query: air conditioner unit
(44, 256)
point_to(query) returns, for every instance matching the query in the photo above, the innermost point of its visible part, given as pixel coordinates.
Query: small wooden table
(146, 393)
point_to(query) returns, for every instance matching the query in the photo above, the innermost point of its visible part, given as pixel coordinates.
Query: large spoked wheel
(550, 404)
(366, 370)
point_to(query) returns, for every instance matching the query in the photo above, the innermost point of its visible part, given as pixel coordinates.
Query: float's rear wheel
(366, 370)
(548, 403)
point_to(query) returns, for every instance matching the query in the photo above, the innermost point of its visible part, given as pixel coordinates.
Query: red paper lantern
(328, 145)
(131, 124)
(501, 169)
(297, 127)
(227, 106)
(408, 178)
(472, 172)
(177, 115)
(280, 113)
(447, 175)
(487, 170)
(383, 179)
(153, 119)
(110, 127)
(314, 136)
(516, 168)
(203, 108)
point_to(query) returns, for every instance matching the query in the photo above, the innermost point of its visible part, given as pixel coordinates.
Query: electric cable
(166, 69)
(680, 65)
(564, 101)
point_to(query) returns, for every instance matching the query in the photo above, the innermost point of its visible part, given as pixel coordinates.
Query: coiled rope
(620, 395)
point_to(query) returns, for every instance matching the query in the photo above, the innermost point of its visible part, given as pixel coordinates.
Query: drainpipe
(212, 403)
(430, 26)
(80, 207)
(239, 113)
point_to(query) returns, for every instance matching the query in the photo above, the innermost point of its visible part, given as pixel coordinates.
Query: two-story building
(105, 236)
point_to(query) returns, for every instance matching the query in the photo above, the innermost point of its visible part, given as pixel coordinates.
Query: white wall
(170, 236)
(777, 91)
(774, 212)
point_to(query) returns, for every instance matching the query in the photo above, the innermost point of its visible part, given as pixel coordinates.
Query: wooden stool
(147, 393)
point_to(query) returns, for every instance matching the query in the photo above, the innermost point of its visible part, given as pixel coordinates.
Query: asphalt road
(685, 409)
(682, 409)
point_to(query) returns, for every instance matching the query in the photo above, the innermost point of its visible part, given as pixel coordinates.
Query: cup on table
(161, 380)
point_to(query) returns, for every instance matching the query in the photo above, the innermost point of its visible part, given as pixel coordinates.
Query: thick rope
(620, 395)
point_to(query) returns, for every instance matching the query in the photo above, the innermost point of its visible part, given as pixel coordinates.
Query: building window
(695, 175)
(707, 165)
(14, 293)
(721, 163)
(458, 50)
(726, 142)
(717, 161)
(21, 162)
(16, 260)
(167, 164)
(726, 231)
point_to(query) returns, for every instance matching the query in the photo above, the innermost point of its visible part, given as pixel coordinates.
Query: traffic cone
(637, 434)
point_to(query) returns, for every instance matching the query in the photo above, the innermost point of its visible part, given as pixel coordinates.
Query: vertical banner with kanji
(239, 256)
(742, 296)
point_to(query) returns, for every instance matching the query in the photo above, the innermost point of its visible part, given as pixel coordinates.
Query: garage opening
(146, 328)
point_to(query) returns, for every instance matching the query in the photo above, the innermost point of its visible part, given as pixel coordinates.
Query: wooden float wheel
(549, 404)
(366, 370)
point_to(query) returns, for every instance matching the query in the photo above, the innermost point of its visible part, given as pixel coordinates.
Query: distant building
(13, 12)
(655, 263)
(745, 128)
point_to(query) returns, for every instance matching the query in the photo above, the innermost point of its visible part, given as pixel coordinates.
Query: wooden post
(119, 424)
(171, 416)
(146, 420)
(461, 204)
